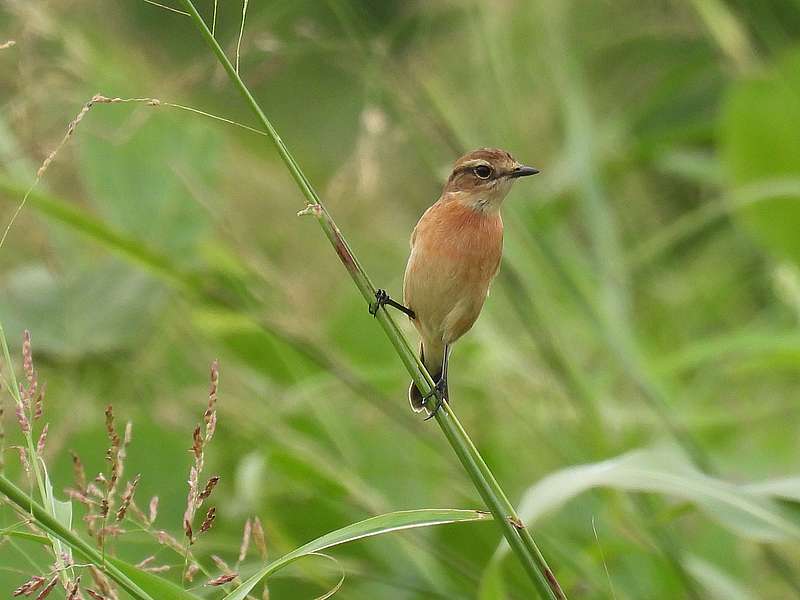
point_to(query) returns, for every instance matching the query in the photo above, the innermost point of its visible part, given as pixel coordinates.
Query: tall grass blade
(396, 521)
(666, 470)
(516, 533)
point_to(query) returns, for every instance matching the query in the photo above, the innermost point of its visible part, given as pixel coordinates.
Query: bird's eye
(482, 171)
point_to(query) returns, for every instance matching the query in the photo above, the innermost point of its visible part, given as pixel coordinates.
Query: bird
(456, 248)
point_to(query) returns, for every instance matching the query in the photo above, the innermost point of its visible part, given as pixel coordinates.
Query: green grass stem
(518, 536)
(51, 525)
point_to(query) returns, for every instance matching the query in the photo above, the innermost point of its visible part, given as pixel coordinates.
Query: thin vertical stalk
(35, 461)
(13, 386)
(518, 536)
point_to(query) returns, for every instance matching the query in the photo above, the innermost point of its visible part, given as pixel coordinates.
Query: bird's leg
(383, 299)
(440, 389)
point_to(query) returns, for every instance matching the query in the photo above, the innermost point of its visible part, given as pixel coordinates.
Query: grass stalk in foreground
(51, 525)
(518, 536)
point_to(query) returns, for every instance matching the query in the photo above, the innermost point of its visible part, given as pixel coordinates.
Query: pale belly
(447, 292)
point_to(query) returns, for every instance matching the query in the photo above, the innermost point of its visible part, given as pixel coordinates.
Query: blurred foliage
(650, 288)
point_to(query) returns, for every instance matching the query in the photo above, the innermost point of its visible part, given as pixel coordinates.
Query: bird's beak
(523, 171)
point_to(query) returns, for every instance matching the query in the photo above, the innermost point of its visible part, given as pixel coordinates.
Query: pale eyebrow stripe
(476, 163)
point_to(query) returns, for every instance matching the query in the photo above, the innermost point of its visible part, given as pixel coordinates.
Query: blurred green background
(649, 299)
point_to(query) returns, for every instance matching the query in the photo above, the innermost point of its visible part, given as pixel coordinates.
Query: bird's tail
(432, 358)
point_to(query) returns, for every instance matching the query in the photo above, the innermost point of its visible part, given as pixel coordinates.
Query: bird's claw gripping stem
(383, 299)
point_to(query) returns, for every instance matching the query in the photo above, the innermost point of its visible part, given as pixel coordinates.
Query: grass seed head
(187, 530)
(112, 454)
(221, 564)
(78, 472)
(38, 406)
(245, 545)
(110, 429)
(166, 539)
(197, 444)
(210, 485)
(23, 459)
(259, 539)
(152, 510)
(212, 390)
(80, 497)
(191, 571)
(208, 521)
(22, 416)
(111, 530)
(102, 583)
(210, 415)
(27, 366)
(48, 588)
(191, 499)
(73, 589)
(223, 579)
(30, 586)
(158, 569)
(95, 491)
(42, 440)
(127, 497)
(146, 565)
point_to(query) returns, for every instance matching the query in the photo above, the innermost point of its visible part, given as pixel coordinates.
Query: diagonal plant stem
(516, 533)
(51, 526)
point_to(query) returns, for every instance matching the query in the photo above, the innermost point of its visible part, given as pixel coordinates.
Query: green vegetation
(632, 382)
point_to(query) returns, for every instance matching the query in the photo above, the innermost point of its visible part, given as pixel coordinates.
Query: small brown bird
(455, 253)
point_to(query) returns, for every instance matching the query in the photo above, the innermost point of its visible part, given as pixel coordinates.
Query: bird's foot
(440, 391)
(383, 299)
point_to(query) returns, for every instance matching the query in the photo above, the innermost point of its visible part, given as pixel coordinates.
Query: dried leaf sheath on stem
(519, 538)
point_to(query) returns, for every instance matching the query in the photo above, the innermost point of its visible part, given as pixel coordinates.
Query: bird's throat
(484, 204)
(485, 201)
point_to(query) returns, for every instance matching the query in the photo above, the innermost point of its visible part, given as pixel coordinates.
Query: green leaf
(759, 140)
(24, 535)
(786, 488)
(62, 511)
(395, 521)
(666, 470)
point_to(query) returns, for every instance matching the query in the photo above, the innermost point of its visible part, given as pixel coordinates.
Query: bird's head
(481, 179)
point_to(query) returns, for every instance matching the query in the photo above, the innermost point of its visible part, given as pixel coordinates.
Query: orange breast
(455, 255)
